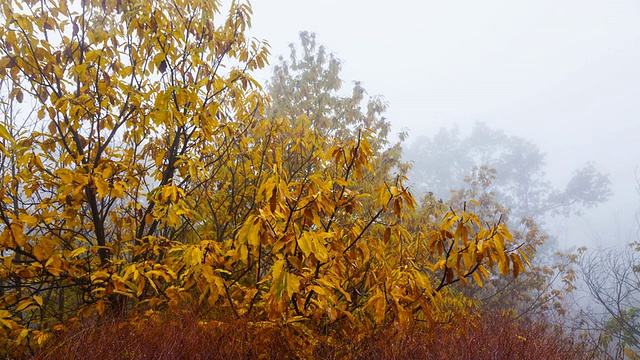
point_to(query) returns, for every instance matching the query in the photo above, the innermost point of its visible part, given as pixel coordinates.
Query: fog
(563, 74)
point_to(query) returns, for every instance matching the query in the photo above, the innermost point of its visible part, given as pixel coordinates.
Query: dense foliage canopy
(144, 170)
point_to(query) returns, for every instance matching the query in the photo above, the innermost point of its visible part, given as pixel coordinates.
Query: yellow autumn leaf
(305, 243)
(292, 284)
(24, 305)
(102, 186)
(5, 134)
(77, 252)
(29, 219)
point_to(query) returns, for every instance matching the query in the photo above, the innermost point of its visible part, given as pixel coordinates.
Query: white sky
(563, 73)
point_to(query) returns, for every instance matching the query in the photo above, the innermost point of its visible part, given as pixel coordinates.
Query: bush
(182, 335)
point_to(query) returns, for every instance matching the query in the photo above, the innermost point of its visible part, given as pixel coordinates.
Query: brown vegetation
(184, 336)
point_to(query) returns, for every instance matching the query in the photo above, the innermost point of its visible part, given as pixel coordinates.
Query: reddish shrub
(181, 336)
(488, 336)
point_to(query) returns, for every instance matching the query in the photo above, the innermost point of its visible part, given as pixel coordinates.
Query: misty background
(562, 74)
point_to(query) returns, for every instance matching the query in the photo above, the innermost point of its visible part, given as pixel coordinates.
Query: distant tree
(307, 89)
(611, 309)
(506, 175)
(612, 279)
(441, 163)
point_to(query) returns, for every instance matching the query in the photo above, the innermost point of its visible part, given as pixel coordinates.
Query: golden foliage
(152, 180)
